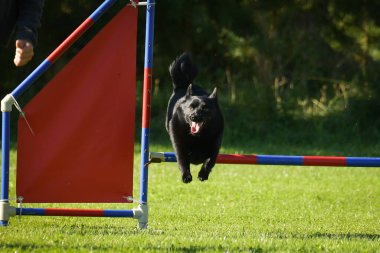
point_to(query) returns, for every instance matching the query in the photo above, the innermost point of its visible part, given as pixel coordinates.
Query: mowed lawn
(242, 208)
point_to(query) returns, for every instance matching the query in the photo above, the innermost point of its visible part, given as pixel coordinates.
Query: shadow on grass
(104, 230)
(204, 249)
(31, 247)
(339, 236)
(348, 236)
(86, 248)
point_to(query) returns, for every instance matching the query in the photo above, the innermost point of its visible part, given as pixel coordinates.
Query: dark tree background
(275, 59)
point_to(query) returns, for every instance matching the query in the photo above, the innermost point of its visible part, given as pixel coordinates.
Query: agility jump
(76, 136)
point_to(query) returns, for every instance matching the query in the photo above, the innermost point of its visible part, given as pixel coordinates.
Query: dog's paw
(187, 178)
(202, 175)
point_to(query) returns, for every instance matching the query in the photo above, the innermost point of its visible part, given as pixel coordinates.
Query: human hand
(24, 52)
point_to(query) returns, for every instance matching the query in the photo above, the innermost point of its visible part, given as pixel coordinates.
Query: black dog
(194, 120)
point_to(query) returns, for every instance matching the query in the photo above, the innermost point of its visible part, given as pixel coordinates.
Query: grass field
(240, 209)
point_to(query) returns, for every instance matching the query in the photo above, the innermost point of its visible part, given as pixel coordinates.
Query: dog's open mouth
(195, 127)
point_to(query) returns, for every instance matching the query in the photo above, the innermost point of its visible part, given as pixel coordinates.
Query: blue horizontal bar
(279, 160)
(363, 162)
(30, 211)
(118, 213)
(170, 157)
(74, 212)
(3, 223)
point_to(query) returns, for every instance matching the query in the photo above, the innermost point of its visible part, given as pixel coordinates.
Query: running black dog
(194, 120)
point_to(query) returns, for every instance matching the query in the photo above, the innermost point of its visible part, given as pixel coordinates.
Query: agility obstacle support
(122, 193)
(33, 184)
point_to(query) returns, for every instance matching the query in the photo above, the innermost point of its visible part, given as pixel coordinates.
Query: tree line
(276, 57)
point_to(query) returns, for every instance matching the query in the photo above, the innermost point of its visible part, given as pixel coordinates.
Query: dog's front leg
(186, 176)
(184, 166)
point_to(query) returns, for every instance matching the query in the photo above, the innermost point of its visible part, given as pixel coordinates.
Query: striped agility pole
(74, 212)
(338, 161)
(146, 105)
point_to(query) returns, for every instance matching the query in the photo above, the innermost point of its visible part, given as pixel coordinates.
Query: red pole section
(325, 161)
(74, 36)
(236, 159)
(147, 97)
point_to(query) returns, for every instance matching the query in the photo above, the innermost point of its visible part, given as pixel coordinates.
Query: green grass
(240, 209)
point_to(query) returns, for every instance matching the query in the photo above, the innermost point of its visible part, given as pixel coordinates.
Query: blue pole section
(148, 65)
(30, 211)
(74, 212)
(5, 144)
(101, 10)
(144, 165)
(279, 160)
(31, 78)
(118, 213)
(149, 34)
(363, 161)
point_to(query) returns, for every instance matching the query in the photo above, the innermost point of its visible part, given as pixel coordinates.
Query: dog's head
(199, 110)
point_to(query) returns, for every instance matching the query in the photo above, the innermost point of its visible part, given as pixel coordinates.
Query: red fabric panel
(84, 122)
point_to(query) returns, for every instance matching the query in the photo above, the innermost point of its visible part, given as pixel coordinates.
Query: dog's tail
(183, 71)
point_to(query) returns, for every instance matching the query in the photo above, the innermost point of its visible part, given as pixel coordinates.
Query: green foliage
(278, 58)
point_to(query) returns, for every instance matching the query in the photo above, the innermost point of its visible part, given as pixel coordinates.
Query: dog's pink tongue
(194, 127)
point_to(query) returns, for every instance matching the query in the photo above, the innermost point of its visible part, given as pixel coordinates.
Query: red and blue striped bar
(338, 161)
(146, 105)
(67, 43)
(74, 212)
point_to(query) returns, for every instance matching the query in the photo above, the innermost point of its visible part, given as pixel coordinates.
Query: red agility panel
(83, 123)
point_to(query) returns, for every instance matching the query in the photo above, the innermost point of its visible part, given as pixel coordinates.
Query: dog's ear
(189, 91)
(213, 94)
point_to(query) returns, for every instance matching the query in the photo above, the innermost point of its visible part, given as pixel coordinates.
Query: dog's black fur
(194, 120)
